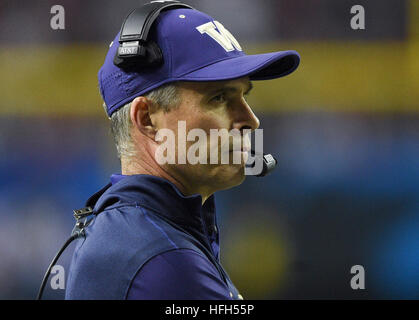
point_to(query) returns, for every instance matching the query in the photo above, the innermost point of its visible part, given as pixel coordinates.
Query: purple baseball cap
(195, 47)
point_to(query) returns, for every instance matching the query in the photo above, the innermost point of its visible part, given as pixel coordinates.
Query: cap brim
(258, 67)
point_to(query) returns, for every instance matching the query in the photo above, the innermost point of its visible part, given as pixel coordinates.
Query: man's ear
(140, 116)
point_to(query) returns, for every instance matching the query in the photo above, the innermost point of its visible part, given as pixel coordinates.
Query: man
(154, 234)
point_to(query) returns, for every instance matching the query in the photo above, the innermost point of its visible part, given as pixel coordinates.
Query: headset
(137, 51)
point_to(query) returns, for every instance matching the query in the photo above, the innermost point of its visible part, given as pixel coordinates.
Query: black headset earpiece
(152, 57)
(135, 49)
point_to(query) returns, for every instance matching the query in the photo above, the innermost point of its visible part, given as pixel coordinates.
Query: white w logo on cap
(223, 37)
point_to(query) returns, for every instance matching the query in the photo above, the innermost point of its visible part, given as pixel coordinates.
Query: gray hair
(163, 98)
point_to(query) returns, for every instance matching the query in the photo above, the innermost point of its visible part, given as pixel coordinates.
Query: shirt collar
(164, 199)
(116, 177)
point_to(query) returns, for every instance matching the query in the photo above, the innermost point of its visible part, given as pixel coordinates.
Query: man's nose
(244, 118)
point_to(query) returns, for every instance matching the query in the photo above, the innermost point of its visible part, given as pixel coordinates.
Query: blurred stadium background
(345, 127)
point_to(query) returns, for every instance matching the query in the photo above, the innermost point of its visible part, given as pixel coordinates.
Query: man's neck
(133, 166)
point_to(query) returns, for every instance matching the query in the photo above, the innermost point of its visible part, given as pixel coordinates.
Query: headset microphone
(269, 163)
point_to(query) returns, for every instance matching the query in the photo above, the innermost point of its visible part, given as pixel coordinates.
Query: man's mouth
(244, 149)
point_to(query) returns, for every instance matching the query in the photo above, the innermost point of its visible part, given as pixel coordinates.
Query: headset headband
(133, 38)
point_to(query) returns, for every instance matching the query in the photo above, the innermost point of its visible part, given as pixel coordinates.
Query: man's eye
(220, 98)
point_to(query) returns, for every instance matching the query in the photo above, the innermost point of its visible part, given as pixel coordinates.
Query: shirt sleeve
(180, 274)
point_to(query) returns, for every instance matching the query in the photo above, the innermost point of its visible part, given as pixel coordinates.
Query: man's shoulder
(117, 243)
(122, 232)
(134, 223)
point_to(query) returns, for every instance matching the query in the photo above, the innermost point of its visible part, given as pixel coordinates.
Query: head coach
(154, 233)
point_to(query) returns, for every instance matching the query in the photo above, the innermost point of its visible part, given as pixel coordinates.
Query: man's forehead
(210, 86)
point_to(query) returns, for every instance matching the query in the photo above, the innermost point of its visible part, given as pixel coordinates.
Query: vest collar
(163, 198)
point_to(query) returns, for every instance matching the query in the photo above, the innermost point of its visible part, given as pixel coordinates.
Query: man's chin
(232, 175)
